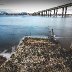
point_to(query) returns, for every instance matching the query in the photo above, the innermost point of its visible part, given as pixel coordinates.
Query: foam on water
(7, 55)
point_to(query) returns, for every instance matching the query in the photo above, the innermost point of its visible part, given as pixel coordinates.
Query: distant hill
(6, 13)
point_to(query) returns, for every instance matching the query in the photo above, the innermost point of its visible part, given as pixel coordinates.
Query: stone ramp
(38, 55)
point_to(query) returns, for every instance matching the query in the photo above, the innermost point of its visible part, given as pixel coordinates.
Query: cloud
(30, 5)
(34, 1)
(1, 4)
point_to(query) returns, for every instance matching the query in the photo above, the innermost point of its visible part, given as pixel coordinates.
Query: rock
(2, 60)
(38, 55)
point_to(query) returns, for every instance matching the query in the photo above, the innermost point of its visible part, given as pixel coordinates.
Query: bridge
(47, 12)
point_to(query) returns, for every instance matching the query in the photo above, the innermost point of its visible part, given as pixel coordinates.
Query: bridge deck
(58, 7)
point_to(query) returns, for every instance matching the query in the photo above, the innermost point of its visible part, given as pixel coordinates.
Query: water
(12, 29)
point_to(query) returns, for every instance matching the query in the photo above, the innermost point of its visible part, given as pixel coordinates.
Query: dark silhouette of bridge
(47, 12)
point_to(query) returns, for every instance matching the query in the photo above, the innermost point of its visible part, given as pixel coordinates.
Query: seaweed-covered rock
(2, 60)
(38, 55)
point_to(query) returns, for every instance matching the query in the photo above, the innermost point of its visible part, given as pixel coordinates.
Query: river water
(12, 29)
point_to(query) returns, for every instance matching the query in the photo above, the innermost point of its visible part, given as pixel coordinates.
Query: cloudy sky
(30, 5)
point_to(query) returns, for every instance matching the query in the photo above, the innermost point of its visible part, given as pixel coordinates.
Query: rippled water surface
(12, 29)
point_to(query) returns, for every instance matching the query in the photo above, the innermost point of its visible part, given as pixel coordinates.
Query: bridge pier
(50, 13)
(46, 12)
(43, 13)
(62, 11)
(56, 12)
(65, 11)
(38, 13)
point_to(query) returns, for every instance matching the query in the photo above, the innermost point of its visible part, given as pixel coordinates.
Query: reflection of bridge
(47, 12)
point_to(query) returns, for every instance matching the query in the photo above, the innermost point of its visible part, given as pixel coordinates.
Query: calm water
(12, 29)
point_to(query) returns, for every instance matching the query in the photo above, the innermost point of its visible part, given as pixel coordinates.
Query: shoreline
(36, 54)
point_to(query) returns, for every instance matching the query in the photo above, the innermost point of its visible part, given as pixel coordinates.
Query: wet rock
(2, 60)
(38, 55)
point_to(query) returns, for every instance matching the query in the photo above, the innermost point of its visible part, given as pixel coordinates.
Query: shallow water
(12, 29)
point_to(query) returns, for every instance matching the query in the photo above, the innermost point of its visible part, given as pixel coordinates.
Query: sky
(31, 6)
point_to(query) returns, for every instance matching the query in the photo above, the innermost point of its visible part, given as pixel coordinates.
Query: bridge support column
(62, 11)
(65, 11)
(56, 12)
(50, 13)
(46, 13)
(41, 13)
(38, 14)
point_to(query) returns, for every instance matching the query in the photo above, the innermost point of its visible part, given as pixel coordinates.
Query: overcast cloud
(30, 5)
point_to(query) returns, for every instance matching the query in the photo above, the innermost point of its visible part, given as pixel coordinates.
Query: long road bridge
(47, 12)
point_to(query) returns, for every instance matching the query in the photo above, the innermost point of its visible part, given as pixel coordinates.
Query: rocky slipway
(39, 55)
